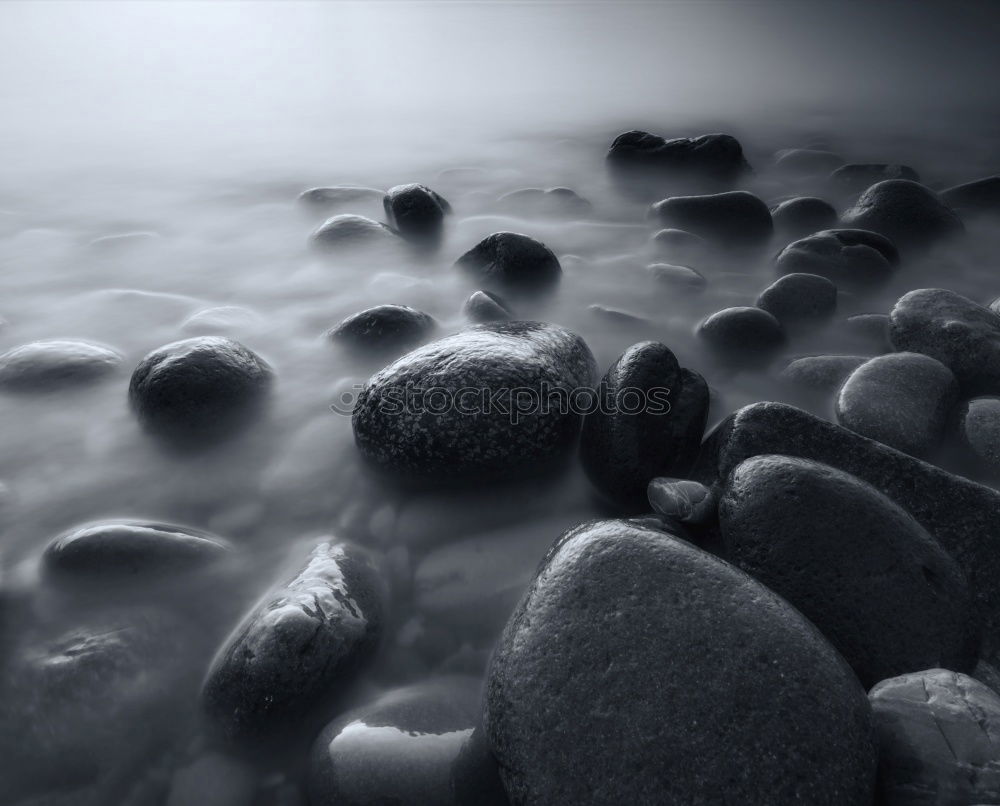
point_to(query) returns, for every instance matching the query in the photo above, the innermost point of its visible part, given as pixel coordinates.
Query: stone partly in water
(297, 649)
(799, 299)
(550, 203)
(962, 515)
(416, 212)
(806, 162)
(57, 364)
(912, 216)
(131, 550)
(856, 177)
(682, 500)
(821, 373)
(869, 328)
(646, 165)
(635, 434)
(978, 433)
(384, 327)
(468, 407)
(939, 740)
(400, 749)
(803, 215)
(880, 588)
(962, 335)
(348, 232)
(682, 278)
(749, 336)
(851, 259)
(733, 219)
(904, 400)
(485, 306)
(325, 198)
(703, 686)
(199, 390)
(512, 262)
(680, 245)
(981, 196)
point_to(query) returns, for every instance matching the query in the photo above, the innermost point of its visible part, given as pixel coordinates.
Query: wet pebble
(795, 218)
(681, 245)
(349, 231)
(550, 203)
(384, 327)
(511, 261)
(803, 162)
(911, 215)
(799, 299)
(821, 373)
(485, 306)
(56, 364)
(416, 212)
(733, 219)
(324, 198)
(744, 335)
(851, 259)
(678, 277)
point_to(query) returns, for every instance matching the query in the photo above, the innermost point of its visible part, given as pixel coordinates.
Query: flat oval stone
(803, 215)
(743, 334)
(703, 686)
(485, 306)
(852, 259)
(45, 365)
(797, 299)
(447, 412)
(912, 216)
(199, 390)
(131, 549)
(511, 261)
(732, 219)
(939, 739)
(880, 588)
(821, 373)
(384, 327)
(306, 639)
(904, 400)
(416, 212)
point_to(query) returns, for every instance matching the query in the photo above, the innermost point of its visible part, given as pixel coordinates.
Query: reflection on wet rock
(732, 219)
(297, 649)
(511, 261)
(384, 327)
(49, 365)
(911, 215)
(852, 259)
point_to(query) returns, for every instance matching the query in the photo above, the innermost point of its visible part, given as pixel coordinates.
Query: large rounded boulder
(880, 588)
(512, 262)
(733, 219)
(911, 215)
(483, 403)
(638, 669)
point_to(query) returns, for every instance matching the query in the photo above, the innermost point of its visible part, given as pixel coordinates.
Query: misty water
(153, 156)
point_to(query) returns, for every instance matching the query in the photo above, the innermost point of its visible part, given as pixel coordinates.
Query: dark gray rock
(732, 219)
(636, 435)
(400, 749)
(136, 550)
(978, 432)
(682, 500)
(511, 261)
(962, 515)
(475, 775)
(416, 212)
(939, 740)
(981, 196)
(743, 335)
(903, 400)
(47, 365)
(297, 649)
(870, 327)
(485, 306)
(851, 259)
(199, 390)
(856, 177)
(880, 588)
(821, 373)
(678, 244)
(679, 277)
(803, 215)
(703, 686)
(539, 202)
(347, 232)
(799, 299)
(384, 327)
(646, 165)
(962, 335)
(803, 162)
(912, 216)
(407, 430)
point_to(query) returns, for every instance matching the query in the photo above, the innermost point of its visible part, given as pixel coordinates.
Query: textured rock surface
(45, 365)
(511, 261)
(981, 196)
(853, 259)
(910, 215)
(880, 588)
(384, 327)
(797, 299)
(740, 700)
(735, 218)
(821, 373)
(416, 212)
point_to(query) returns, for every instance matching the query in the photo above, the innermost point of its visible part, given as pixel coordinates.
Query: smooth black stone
(47, 365)
(799, 298)
(423, 444)
(877, 585)
(807, 161)
(416, 212)
(681, 277)
(962, 515)
(297, 649)
(911, 215)
(135, 550)
(978, 433)
(513, 262)
(547, 203)
(821, 373)
(384, 327)
(856, 177)
(639, 669)
(962, 335)
(199, 390)
(733, 219)
(485, 306)
(802, 216)
(348, 232)
(646, 165)
(903, 400)
(851, 259)
(981, 196)
(744, 335)
(399, 749)
(637, 435)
